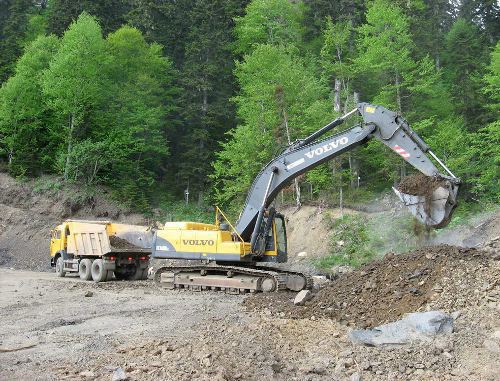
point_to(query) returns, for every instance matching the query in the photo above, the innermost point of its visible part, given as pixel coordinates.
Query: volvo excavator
(236, 259)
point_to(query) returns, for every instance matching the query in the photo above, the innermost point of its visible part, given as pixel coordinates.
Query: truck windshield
(280, 233)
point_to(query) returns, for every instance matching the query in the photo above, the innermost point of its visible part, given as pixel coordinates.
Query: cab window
(57, 234)
(281, 234)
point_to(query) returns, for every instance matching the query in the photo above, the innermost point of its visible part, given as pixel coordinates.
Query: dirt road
(68, 330)
(49, 330)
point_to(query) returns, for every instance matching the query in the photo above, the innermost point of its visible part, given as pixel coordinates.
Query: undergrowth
(180, 211)
(357, 239)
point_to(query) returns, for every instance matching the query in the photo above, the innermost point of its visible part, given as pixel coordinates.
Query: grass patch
(47, 184)
(180, 211)
(348, 242)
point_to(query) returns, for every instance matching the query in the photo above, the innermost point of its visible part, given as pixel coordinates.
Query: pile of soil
(120, 243)
(381, 291)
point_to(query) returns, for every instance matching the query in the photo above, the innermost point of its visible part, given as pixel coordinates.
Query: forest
(155, 98)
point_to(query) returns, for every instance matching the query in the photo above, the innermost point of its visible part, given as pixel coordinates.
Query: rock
(491, 346)
(206, 361)
(119, 375)
(89, 294)
(302, 254)
(355, 377)
(455, 315)
(302, 297)
(418, 326)
(87, 374)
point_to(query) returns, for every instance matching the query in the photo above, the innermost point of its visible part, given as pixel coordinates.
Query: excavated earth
(68, 329)
(384, 290)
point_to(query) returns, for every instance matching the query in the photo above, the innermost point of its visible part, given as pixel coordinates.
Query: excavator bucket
(433, 208)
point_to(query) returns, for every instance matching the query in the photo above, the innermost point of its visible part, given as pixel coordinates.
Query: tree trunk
(356, 97)
(336, 97)
(398, 92)
(281, 102)
(341, 203)
(70, 146)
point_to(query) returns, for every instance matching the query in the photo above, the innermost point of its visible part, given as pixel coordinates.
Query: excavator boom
(379, 123)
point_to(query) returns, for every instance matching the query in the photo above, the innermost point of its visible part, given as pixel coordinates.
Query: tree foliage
(152, 98)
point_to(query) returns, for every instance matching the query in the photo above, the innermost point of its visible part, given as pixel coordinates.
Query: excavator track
(231, 279)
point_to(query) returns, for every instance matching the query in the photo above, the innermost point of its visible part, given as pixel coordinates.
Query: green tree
(29, 132)
(275, 22)
(279, 101)
(109, 13)
(492, 78)
(465, 58)
(73, 82)
(140, 98)
(15, 14)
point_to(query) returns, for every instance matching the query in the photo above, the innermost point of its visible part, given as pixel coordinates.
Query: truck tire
(85, 269)
(60, 267)
(98, 272)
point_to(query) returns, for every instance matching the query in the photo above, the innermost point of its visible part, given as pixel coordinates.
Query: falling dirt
(120, 243)
(378, 292)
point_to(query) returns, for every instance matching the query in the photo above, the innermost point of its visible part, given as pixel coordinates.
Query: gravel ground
(55, 332)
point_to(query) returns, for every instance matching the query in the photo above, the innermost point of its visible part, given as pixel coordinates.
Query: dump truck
(98, 250)
(230, 255)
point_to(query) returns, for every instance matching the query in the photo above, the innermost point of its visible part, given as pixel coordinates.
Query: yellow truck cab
(100, 249)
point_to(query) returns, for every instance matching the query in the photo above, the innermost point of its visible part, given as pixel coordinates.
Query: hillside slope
(28, 212)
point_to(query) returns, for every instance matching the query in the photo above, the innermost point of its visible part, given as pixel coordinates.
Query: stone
(455, 315)
(418, 326)
(491, 346)
(302, 297)
(302, 254)
(355, 377)
(89, 294)
(87, 374)
(119, 375)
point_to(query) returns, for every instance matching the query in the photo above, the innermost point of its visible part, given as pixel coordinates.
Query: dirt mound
(381, 291)
(120, 243)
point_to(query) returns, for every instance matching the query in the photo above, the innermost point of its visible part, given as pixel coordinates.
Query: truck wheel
(85, 269)
(60, 267)
(98, 272)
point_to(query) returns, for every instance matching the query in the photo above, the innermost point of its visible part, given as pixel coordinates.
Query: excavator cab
(275, 241)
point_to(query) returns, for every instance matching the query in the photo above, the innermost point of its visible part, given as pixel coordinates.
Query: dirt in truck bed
(120, 243)
(385, 290)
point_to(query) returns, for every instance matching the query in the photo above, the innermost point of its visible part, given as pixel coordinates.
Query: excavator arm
(304, 155)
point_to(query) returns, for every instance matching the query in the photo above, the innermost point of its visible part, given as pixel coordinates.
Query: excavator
(236, 259)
